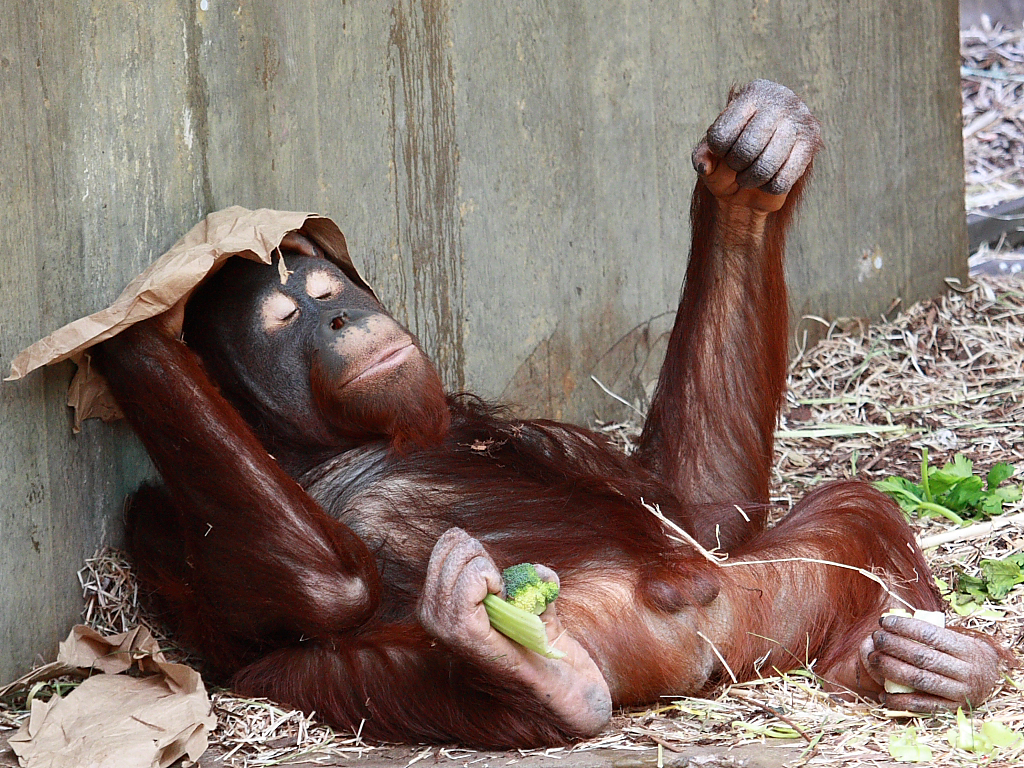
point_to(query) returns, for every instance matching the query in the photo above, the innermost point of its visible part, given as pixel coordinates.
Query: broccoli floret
(525, 589)
(518, 617)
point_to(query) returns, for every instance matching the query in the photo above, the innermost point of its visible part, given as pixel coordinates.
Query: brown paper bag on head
(165, 287)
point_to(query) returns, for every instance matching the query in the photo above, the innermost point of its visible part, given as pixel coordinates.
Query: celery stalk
(519, 626)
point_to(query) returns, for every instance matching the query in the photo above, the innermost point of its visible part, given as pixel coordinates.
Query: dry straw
(992, 71)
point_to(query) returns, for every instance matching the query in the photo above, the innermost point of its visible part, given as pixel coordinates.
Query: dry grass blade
(256, 732)
(110, 593)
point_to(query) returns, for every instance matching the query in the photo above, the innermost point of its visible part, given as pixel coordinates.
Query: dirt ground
(747, 756)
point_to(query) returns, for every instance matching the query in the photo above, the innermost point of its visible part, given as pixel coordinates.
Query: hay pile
(992, 76)
(992, 84)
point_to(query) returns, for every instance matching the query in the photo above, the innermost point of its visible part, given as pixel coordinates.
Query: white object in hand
(937, 618)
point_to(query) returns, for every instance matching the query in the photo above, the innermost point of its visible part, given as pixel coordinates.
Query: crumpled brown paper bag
(167, 284)
(113, 720)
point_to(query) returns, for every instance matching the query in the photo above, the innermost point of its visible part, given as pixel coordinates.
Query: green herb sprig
(953, 492)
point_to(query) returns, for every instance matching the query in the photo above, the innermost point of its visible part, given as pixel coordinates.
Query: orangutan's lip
(389, 358)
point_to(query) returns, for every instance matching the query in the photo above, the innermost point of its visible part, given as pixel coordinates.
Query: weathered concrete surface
(580, 190)
(513, 178)
(97, 175)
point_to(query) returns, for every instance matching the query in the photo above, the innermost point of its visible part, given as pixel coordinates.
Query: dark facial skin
(311, 358)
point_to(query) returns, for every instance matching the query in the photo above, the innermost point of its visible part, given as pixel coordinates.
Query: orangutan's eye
(278, 310)
(321, 284)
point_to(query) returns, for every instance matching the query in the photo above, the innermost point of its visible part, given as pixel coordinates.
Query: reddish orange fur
(304, 588)
(709, 431)
(411, 415)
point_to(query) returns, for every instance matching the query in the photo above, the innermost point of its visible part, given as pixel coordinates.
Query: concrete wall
(512, 177)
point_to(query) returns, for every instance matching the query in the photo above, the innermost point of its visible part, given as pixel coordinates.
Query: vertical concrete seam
(426, 158)
(24, 27)
(197, 96)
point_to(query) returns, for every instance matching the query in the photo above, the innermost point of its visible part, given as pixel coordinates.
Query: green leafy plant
(953, 492)
(905, 747)
(997, 578)
(986, 740)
